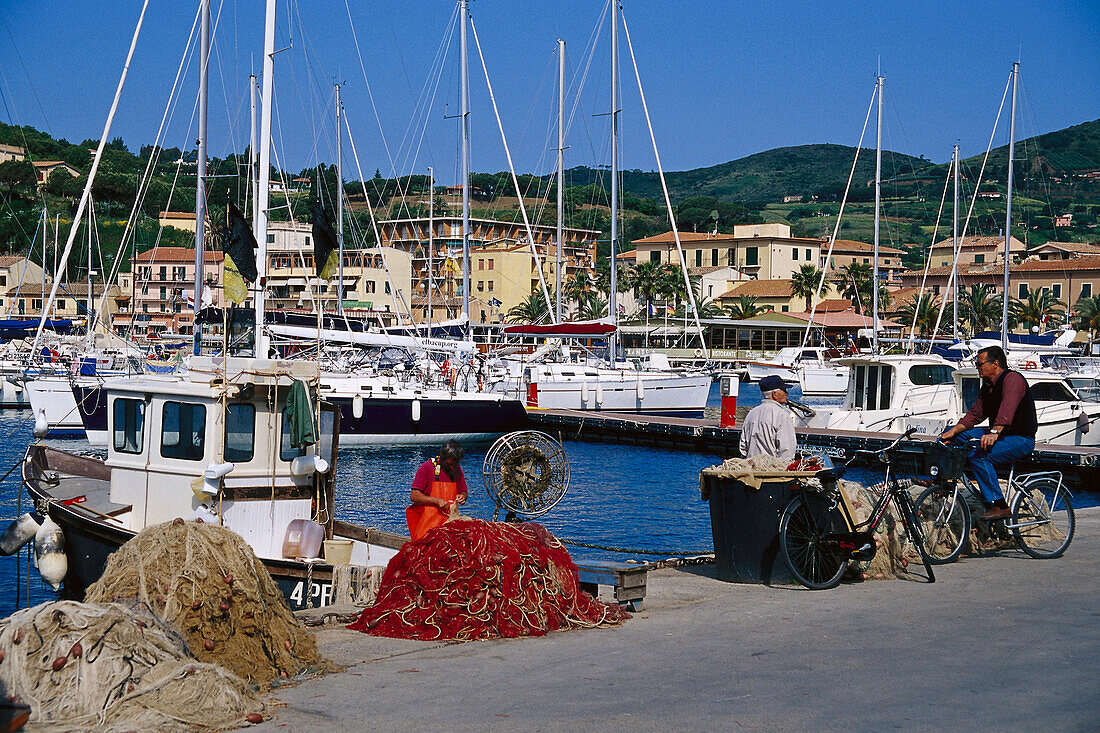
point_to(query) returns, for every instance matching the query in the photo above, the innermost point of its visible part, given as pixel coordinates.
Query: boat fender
(1030, 365)
(639, 388)
(584, 393)
(212, 477)
(18, 533)
(49, 553)
(599, 393)
(416, 410)
(1083, 424)
(357, 406)
(698, 353)
(305, 465)
(41, 426)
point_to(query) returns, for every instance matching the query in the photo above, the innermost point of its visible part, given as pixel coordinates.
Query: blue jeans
(984, 462)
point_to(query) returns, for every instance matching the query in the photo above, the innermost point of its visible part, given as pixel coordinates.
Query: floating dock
(702, 435)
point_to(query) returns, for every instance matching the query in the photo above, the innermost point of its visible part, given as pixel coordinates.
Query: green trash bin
(744, 521)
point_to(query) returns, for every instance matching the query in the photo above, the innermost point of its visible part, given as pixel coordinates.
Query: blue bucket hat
(770, 382)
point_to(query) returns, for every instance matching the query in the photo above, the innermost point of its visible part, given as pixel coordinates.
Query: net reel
(526, 473)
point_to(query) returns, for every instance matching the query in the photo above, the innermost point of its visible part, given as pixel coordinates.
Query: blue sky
(723, 79)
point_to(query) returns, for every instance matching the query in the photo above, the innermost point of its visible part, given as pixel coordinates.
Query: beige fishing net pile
(115, 668)
(206, 582)
(896, 551)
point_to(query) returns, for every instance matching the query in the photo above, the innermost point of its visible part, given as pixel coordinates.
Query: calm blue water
(619, 496)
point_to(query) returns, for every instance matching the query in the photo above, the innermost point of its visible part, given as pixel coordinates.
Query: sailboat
(558, 376)
(226, 442)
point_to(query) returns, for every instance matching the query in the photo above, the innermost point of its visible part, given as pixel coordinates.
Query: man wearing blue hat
(769, 427)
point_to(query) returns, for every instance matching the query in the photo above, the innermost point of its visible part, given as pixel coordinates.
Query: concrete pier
(999, 642)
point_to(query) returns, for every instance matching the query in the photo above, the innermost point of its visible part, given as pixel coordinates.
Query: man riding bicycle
(1007, 402)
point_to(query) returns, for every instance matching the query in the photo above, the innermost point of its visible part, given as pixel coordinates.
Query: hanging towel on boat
(299, 415)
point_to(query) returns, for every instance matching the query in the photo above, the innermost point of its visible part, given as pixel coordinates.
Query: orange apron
(422, 517)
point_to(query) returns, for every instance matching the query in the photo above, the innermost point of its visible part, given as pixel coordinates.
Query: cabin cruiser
(1064, 418)
(787, 360)
(890, 393)
(217, 444)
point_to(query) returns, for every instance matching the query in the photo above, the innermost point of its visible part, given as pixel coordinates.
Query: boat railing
(1075, 363)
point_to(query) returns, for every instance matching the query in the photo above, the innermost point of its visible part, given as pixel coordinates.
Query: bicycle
(818, 535)
(1041, 519)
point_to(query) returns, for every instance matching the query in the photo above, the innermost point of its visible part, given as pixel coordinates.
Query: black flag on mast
(239, 246)
(325, 248)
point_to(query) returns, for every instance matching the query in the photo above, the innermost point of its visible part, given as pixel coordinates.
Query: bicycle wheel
(944, 520)
(804, 522)
(1042, 520)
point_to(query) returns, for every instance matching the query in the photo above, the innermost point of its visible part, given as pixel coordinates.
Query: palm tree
(647, 281)
(981, 309)
(744, 307)
(592, 308)
(855, 281)
(804, 283)
(926, 308)
(579, 288)
(1086, 316)
(531, 309)
(1039, 308)
(602, 282)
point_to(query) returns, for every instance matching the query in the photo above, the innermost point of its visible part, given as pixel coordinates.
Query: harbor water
(640, 499)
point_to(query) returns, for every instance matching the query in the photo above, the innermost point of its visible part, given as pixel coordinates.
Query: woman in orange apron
(438, 484)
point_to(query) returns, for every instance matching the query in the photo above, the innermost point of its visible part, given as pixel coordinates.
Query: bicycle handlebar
(882, 451)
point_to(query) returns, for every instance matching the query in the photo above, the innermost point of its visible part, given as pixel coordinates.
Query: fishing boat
(215, 446)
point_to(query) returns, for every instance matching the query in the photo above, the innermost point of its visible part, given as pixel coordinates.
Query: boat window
(930, 374)
(861, 377)
(872, 387)
(240, 432)
(183, 431)
(288, 452)
(886, 378)
(1051, 391)
(129, 425)
(972, 389)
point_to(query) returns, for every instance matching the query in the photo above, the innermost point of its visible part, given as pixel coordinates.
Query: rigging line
(377, 233)
(839, 217)
(1042, 170)
(928, 261)
(664, 189)
(512, 169)
(91, 173)
(970, 211)
(154, 158)
(577, 86)
(23, 65)
(314, 302)
(425, 102)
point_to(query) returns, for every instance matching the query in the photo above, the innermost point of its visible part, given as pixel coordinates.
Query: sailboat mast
(955, 247)
(612, 299)
(88, 330)
(878, 208)
(339, 206)
(465, 123)
(260, 222)
(561, 173)
(253, 155)
(200, 182)
(431, 243)
(1008, 204)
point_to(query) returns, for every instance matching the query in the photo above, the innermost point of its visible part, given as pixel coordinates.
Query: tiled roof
(1077, 247)
(847, 319)
(761, 289)
(177, 254)
(667, 238)
(834, 305)
(850, 245)
(1075, 264)
(979, 242)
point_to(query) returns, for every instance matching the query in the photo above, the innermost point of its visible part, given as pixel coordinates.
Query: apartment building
(976, 251)
(162, 282)
(503, 272)
(759, 251)
(847, 252)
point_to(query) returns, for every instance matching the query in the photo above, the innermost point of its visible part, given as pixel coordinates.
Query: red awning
(568, 329)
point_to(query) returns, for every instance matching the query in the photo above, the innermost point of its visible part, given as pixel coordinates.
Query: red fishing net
(471, 579)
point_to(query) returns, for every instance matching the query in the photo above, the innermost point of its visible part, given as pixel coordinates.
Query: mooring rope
(611, 548)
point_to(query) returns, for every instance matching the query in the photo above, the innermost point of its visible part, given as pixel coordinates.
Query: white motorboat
(890, 393)
(786, 362)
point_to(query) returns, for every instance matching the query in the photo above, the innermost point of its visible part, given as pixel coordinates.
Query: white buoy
(357, 406)
(49, 553)
(639, 389)
(17, 534)
(416, 410)
(41, 427)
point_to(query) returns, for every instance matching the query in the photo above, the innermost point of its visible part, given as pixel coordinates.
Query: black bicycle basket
(928, 460)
